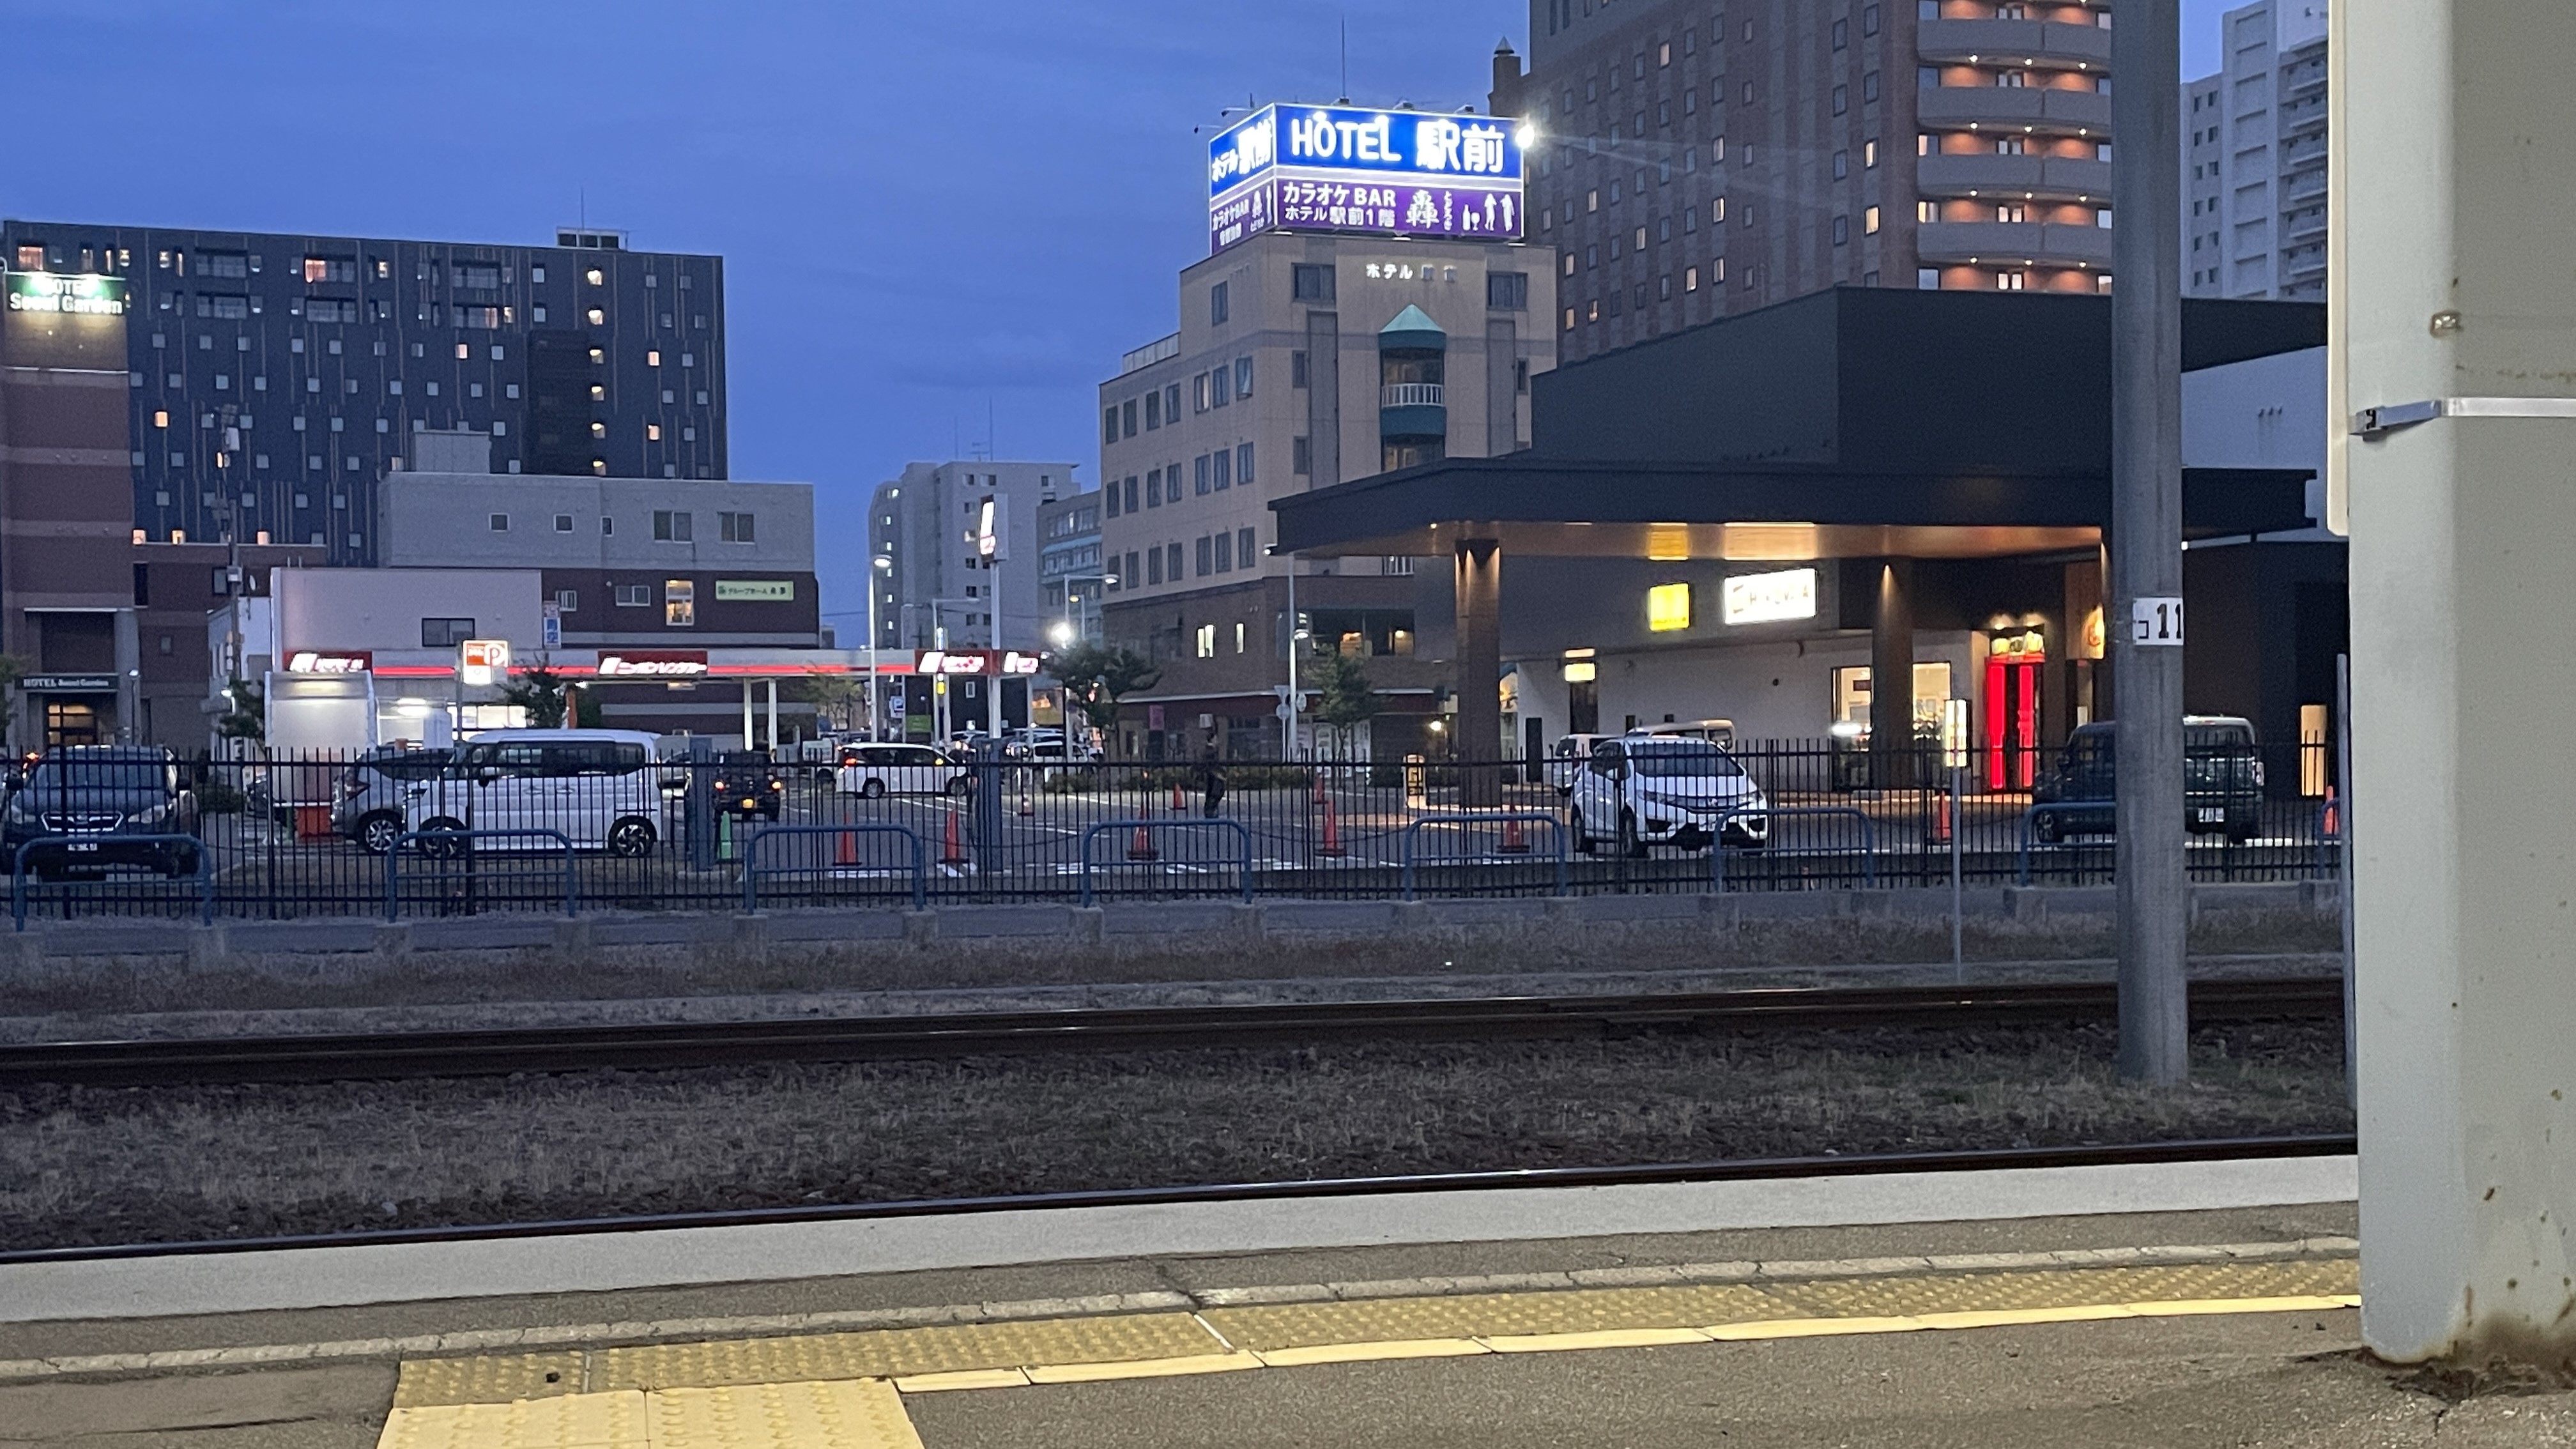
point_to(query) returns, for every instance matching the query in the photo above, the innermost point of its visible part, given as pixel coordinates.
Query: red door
(2011, 709)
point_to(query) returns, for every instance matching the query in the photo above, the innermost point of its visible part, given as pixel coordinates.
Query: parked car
(1567, 760)
(1718, 732)
(747, 784)
(879, 770)
(1640, 791)
(597, 788)
(2222, 781)
(373, 808)
(83, 810)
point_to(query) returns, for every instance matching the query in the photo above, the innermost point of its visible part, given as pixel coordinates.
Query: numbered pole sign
(2155, 622)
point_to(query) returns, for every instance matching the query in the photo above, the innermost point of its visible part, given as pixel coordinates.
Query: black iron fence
(409, 836)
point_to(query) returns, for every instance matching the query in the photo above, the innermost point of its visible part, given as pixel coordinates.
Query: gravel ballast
(89, 1166)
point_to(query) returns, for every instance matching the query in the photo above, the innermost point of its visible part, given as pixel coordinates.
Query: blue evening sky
(931, 215)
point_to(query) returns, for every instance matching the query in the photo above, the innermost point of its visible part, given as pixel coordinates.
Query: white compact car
(878, 770)
(1566, 761)
(1641, 791)
(596, 788)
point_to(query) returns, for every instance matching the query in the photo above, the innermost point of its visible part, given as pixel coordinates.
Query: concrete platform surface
(2214, 1328)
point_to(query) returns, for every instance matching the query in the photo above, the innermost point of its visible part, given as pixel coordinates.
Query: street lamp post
(880, 564)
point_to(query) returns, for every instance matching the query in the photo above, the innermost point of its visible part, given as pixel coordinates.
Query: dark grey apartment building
(272, 379)
(1700, 158)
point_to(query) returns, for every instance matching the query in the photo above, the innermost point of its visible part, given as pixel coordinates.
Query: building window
(632, 596)
(445, 633)
(1243, 554)
(670, 526)
(1172, 561)
(1927, 211)
(1109, 424)
(1207, 632)
(1153, 566)
(1153, 409)
(2011, 281)
(679, 603)
(735, 528)
(563, 523)
(1869, 220)
(1206, 560)
(1131, 490)
(500, 523)
(1311, 283)
(1154, 488)
(1201, 473)
(1300, 459)
(1243, 464)
(1127, 417)
(1217, 308)
(1842, 230)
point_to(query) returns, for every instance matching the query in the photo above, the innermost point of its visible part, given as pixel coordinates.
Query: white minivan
(1646, 790)
(877, 770)
(597, 788)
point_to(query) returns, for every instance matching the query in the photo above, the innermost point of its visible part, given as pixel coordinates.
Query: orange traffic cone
(1178, 804)
(845, 849)
(1515, 840)
(2334, 816)
(1331, 849)
(951, 851)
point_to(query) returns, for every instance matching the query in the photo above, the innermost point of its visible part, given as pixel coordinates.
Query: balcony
(1412, 410)
(2014, 108)
(2038, 43)
(2052, 178)
(1152, 352)
(2046, 244)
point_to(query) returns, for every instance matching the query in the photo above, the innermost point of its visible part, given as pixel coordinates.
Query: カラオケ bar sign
(1381, 173)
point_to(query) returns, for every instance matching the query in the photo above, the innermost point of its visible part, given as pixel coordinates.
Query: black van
(2222, 781)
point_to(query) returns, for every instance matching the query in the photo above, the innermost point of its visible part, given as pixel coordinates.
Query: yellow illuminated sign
(1668, 607)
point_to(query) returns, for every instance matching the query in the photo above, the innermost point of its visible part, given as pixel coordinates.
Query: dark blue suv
(2222, 781)
(86, 809)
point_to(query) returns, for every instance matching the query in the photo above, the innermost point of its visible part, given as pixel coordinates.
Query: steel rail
(685, 1045)
(2234, 1149)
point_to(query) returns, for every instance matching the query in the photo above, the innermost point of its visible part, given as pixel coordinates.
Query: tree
(247, 719)
(1096, 677)
(544, 694)
(1344, 698)
(835, 697)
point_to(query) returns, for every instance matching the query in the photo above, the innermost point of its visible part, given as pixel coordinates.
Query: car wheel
(378, 833)
(872, 790)
(630, 839)
(1631, 844)
(443, 849)
(1583, 844)
(2046, 829)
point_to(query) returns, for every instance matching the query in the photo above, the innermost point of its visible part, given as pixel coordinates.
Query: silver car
(373, 802)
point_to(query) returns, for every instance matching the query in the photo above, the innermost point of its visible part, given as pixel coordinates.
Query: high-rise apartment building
(2254, 158)
(1301, 361)
(965, 551)
(1695, 159)
(271, 379)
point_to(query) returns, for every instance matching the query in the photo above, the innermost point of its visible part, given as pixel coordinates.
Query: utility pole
(2145, 622)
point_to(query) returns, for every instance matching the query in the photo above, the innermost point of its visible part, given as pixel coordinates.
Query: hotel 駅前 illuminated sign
(1346, 169)
(80, 294)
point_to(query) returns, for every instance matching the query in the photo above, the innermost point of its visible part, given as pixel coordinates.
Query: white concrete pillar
(2455, 237)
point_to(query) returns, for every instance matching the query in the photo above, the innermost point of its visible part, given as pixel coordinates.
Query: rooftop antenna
(1346, 58)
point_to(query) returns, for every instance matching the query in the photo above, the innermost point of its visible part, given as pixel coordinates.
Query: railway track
(1741, 1170)
(674, 1046)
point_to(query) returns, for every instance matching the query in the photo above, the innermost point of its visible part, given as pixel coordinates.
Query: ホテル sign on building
(1371, 173)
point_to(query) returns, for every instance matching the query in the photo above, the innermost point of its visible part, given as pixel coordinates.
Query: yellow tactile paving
(568, 1421)
(1481, 1315)
(845, 1390)
(1955, 1293)
(895, 1353)
(856, 1414)
(491, 1379)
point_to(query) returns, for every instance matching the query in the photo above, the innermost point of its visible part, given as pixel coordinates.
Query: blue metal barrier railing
(2030, 817)
(82, 851)
(1718, 852)
(459, 845)
(1501, 854)
(753, 870)
(1146, 830)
